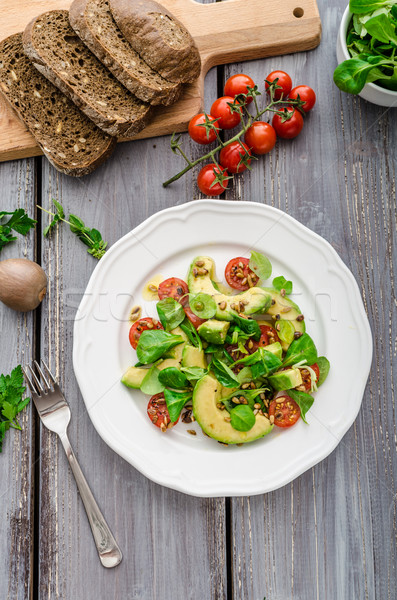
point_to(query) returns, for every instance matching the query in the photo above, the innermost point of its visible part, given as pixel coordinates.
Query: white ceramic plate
(165, 243)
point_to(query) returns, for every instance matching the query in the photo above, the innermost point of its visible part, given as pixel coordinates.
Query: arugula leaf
(303, 400)
(301, 349)
(223, 373)
(242, 418)
(175, 402)
(249, 326)
(154, 343)
(324, 366)
(11, 404)
(280, 283)
(171, 313)
(18, 222)
(173, 378)
(193, 373)
(261, 265)
(151, 383)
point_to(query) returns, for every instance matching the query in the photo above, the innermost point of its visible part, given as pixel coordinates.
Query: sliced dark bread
(159, 38)
(70, 141)
(94, 24)
(59, 54)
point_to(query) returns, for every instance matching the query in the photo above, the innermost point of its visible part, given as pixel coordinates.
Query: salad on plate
(237, 359)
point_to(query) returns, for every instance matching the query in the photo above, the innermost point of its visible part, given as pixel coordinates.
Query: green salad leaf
(170, 312)
(324, 366)
(280, 283)
(249, 326)
(154, 343)
(203, 305)
(223, 373)
(242, 418)
(260, 265)
(303, 400)
(151, 383)
(175, 402)
(285, 331)
(194, 373)
(173, 378)
(364, 7)
(302, 349)
(191, 332)
(381, 28)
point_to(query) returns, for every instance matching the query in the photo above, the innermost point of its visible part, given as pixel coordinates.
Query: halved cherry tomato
(237, 84)
(284, 81)
(231, 157)
(172, 288)
(206, 178)
(306, 377)
(194, 319)
(290, 128)
(158, 412)
(221, 111)
(260, 137)
(198, 132)
(237, 272)
(140, 326)
(269, 336)
(285, 411)
(305, 93)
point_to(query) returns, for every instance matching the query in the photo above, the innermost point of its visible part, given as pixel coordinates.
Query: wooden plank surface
(223, 33)
(329, 535)
(17, 457)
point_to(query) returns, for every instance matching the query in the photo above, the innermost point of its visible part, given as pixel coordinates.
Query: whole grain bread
(94, 24)
(159, 38)
(70, 141)
(59, 54)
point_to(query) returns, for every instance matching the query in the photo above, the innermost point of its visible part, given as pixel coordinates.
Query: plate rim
(320, 243)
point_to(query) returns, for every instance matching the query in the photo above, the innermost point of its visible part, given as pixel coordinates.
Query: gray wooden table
(332, 533)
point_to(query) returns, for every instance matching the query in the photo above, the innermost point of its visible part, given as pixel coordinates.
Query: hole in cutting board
(298, 12)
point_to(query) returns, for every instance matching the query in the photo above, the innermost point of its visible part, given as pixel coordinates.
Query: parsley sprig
(90, 237)
(18, 222)
(11, 404)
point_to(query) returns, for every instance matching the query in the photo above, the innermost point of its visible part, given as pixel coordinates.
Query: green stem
(66, 221)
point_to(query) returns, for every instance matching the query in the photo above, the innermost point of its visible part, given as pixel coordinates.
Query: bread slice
(94, 24)
(159, 38)
(70, 141)
(59, 54)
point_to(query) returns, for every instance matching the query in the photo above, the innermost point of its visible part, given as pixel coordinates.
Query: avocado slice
(282, 308)
(213, 331)
(200, 279)
(206, 395)
(134, 376)
(285, 380)
(193, 357)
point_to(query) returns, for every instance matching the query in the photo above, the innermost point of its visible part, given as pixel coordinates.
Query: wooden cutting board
(225, 32)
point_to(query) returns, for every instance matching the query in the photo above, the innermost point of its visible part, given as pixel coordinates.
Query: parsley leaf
(12, 389)
(18, 222)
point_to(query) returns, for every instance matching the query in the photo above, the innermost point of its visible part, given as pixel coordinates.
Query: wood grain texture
(16, 460)
(224, 32)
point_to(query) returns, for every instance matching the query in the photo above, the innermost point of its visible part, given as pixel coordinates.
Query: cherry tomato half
(305, 93)
(206, 178)
(260, 137)
(237, 272)
(306, 377)
(231, 157)
(158, 412)
(285, 411)
(269, 336)
(221, 111)
(284, 81)
(198, 132)
(140, 326)
(172, 288)
(290, 128)
(237, 84)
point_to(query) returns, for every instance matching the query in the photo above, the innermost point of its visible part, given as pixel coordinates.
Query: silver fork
(54, 411)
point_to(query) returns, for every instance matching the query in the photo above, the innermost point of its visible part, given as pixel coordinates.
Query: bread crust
(155, 94)
(102, 118)
(147, 25)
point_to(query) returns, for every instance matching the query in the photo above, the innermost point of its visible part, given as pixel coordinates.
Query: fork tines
(41, 384)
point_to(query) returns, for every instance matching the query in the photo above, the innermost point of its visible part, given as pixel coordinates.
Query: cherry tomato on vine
(260, 137)
(284, 81)
(237, 271)
(268, 335)
(307, 378)
(158, 412)
(290, 128)
(198, 132)
(172, 288)
(237, 84)
(222, 111)
(306, 93)
(285, 411)
(231, 157)
(140, 326)
(206, 178)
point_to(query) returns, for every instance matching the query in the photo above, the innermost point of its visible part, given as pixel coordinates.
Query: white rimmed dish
(371, 92)
(165, 243)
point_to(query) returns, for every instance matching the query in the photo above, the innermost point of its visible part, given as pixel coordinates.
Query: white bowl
(371, 92)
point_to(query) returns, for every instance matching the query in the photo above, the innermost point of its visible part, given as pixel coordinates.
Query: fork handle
(109, 553)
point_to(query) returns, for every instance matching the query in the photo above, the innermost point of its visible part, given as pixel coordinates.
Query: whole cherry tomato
(206, 180)
(288, 128)
(260, 137)
(222, 111)
(231, 157)
(237, 84)
(198, 132)
(305, 93)
(284, 81)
